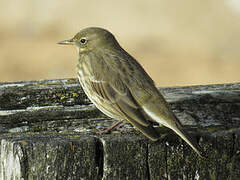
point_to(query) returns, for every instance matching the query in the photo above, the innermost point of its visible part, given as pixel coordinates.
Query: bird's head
(90, 39)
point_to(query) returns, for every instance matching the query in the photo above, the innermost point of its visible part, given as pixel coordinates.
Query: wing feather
(123, 102)
(125, 106)
(109, 83)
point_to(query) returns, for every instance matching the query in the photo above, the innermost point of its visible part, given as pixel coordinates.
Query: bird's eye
(83, 40)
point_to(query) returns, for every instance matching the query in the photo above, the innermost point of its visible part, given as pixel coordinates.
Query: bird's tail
(188, 139)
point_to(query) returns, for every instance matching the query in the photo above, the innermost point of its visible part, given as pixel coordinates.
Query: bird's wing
(139, 86)
(114, 92)
(125, 107)
(123, 100)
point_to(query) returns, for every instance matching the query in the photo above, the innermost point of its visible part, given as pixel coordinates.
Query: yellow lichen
(24, 143)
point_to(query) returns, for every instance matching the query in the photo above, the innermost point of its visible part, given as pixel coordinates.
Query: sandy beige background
(178, 42)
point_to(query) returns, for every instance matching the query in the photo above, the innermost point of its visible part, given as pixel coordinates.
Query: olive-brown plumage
(118, 85)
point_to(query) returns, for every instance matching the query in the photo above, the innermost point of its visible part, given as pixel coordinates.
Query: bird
(119, 86)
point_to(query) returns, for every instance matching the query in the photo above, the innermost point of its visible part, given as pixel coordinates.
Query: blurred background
(178, 42)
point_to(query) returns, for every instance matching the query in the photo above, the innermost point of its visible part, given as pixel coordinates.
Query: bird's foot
(109, 129)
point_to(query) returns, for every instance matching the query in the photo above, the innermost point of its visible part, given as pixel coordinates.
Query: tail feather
(185, 136)
(168, 119)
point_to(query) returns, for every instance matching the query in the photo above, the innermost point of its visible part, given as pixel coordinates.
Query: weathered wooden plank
(48, 157)
(177, 161)
(125, 157)
(50, 127)
(34, 101)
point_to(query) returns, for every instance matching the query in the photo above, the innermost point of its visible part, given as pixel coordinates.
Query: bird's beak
(67, 42)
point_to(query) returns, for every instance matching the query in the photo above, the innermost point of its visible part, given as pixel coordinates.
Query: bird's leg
(111, 127)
